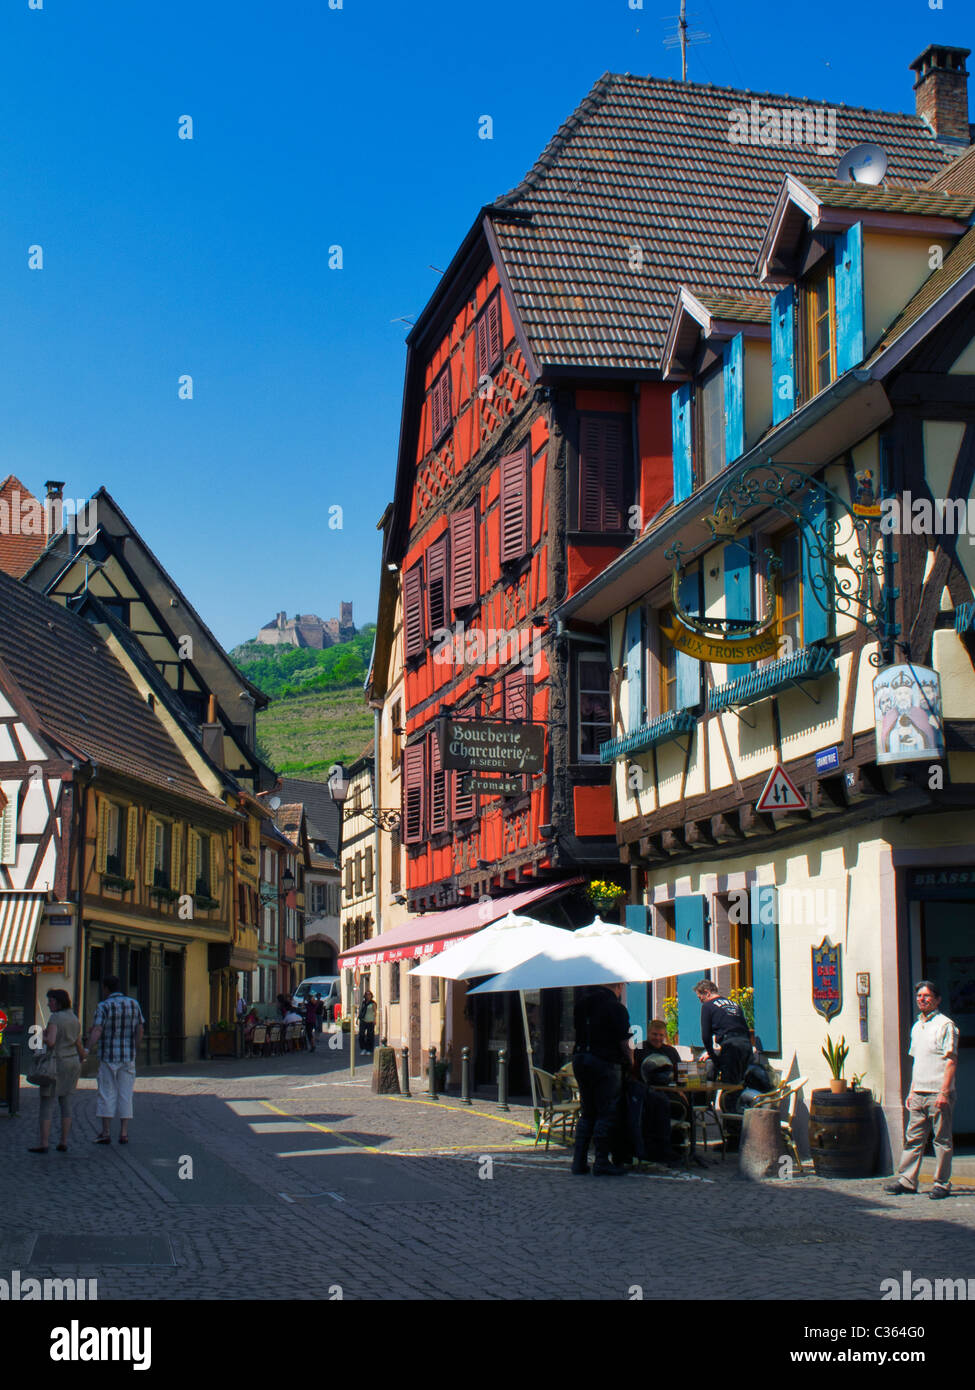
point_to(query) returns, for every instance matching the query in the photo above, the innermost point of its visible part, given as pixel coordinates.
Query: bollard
(432, 1074)
(465, 1076)
(503, 1079)
(405, 1085)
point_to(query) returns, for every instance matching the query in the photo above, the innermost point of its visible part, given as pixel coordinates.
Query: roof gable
(648, 163)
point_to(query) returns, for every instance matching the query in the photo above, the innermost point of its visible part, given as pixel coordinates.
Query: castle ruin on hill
(308, 630)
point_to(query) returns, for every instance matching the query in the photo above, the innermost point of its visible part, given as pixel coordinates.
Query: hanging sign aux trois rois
(732, 653)
(479, 745)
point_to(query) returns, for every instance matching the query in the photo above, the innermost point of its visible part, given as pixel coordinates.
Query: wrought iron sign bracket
(846, 559)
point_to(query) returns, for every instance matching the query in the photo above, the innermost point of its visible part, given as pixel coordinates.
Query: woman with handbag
(63, 1039)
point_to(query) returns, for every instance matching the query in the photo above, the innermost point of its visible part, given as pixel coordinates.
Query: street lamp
(338, 784)
(287, 881)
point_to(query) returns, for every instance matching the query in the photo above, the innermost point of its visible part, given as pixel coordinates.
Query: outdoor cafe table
(707, 1089)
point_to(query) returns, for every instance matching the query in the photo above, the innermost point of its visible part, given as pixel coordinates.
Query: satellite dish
(275, 803)
(862, 164)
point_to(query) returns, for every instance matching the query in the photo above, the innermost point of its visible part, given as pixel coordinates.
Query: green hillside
(318, 715)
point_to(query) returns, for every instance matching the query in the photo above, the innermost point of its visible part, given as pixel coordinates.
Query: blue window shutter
(765, 965)
(783, 354)
(690, 915)
(680, 404)
(635, 697)
(734, 399)
(849, 298)
(688, 691)
(638, 919)
(737, 593)
(817, 580)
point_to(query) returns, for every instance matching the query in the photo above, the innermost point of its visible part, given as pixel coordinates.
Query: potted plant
(836, 1059)
(604, 896)
(221, 1039)
(670, 1018)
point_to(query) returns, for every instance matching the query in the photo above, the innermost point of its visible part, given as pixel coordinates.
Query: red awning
(432, 932)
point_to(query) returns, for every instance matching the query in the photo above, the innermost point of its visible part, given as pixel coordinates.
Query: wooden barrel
(842, 1134)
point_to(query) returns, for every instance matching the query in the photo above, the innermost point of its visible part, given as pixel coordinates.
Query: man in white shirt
(934, 1047)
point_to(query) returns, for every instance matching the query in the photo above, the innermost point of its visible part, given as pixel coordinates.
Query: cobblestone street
(420, 1199)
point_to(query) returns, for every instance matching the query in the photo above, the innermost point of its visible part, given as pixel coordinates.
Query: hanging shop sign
(729, 653)
(907, 714)
(478, 745)
(827, 985)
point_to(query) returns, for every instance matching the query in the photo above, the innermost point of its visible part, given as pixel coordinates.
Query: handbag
(44, 1071)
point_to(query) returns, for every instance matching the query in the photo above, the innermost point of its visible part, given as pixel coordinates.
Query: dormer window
(820, 327)
(709, 441)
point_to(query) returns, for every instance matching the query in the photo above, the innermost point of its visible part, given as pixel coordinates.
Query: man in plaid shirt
(118, 1028)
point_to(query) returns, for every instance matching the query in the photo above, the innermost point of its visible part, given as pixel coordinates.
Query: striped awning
(20, 915)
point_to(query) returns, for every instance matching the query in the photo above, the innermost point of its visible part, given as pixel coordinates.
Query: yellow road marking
(323, 1129)
(461, 1110)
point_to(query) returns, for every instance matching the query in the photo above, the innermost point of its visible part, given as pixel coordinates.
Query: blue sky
(312, 127)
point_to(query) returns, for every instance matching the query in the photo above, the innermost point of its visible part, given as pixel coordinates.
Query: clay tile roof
(958, 177)
(877, 198)
(753, 306)
(84, 697)
(647, 162)
(959, 259)
(17, 551)
(287, 820)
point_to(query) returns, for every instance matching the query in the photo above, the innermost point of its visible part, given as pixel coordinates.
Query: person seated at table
(250, 1023)
(656, 1061)
(292, 1016)
(724, 1032)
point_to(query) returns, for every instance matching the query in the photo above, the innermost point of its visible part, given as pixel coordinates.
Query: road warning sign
(781, 793)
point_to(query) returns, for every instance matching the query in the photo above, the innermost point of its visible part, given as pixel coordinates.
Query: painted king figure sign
(907, 714)
(479, 745)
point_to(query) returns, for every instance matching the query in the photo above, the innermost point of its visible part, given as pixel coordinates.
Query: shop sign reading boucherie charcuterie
(478, 745)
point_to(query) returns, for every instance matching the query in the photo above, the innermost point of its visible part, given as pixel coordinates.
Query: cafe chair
(552, 1111)
(702, 1116)
(680, 1125)
(258, 1041)
(729, 1118)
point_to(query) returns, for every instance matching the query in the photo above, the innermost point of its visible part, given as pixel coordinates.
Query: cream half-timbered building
(800, 419)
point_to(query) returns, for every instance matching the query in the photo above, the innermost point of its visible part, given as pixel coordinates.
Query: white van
(328, 986)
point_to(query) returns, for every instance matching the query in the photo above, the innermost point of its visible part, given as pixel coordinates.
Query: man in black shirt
(602, 1048)
(724, 1024)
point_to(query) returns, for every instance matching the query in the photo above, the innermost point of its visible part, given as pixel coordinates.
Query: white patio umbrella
(603, 953)
(497, 946)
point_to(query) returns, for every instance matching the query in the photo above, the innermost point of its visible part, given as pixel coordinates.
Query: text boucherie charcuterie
(477, 745)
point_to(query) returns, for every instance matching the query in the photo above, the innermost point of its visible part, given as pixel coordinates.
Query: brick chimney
(941, 92)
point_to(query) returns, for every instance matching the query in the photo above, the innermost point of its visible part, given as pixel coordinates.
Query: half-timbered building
(535, 448)
(118, 844)
(806, 603)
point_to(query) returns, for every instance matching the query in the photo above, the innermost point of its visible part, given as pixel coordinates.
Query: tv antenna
(684, 37)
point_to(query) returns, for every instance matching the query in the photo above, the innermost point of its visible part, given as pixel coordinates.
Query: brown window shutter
(602, 459)
(413, 610)
(370, 871)
(482, 347)
(514, 505)
(516, 696)
(437, 584)
(462, 803)
(495, 343)
(438, 788)
(440, 412)
(414, 800)
(463, 558)
(348, 877)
